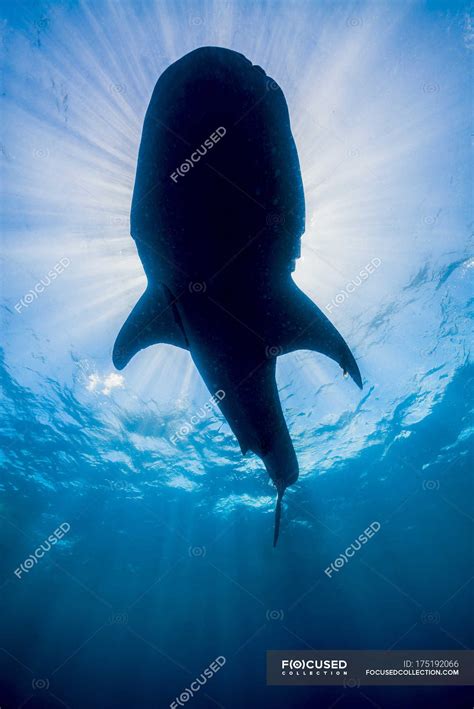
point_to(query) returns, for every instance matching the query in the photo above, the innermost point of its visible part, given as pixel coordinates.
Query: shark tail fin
(281, 490)
(154, 319)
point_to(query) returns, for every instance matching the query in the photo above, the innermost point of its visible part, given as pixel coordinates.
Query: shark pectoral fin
(154, 319)
(303, 326)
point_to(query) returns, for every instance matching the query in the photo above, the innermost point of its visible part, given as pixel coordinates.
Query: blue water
(168, 560)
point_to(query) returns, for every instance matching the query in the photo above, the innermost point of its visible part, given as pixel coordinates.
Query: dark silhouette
(217, 216)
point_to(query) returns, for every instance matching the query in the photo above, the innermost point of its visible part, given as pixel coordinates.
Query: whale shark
(217, 215)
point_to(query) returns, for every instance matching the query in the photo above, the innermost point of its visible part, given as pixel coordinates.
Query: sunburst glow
(381, 136)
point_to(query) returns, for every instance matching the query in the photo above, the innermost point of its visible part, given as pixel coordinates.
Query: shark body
(217, 216)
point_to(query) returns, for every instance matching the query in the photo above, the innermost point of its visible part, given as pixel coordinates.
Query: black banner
(354, 668)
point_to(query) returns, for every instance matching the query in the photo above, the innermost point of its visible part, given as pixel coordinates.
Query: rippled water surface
(168, 561)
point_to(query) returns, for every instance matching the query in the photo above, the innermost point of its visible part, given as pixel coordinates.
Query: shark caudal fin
(276, 533)
(251, 404)
(298, 324)
(154, 319)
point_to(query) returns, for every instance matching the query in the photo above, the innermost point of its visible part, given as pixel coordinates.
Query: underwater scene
(137, 541)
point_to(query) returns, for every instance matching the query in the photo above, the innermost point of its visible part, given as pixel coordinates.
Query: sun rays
(368, 121)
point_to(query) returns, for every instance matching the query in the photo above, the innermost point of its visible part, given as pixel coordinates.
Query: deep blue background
(169, 563)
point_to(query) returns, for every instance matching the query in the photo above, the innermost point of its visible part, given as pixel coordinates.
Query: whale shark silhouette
(217, 216)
